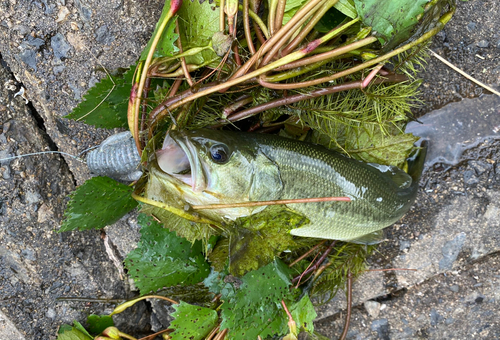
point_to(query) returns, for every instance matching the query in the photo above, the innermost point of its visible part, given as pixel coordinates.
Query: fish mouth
(179, 158)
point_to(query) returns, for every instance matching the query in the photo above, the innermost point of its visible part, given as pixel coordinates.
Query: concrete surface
(55, 49)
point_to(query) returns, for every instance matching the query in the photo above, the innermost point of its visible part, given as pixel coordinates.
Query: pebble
(103, 36)
(483, 44)
(60, 46)
(373, 308)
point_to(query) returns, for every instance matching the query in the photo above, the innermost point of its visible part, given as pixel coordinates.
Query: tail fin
(416, 162)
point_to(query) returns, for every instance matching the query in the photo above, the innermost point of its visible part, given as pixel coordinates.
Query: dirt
(56, 50)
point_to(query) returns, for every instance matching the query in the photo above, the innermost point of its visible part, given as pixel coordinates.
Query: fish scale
(312, 171)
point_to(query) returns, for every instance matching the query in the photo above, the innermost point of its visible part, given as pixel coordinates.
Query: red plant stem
(371, 75)
(313, 94)
(183, 60)
(175, 87)
(309, 252)
(172, 100)
(349, 306)
(269, 43)
(238, 103)
(246, 27)
(280, 12)
(237, 58)
(309, 26)
(318, 263)
(327, 55)
(289, 31)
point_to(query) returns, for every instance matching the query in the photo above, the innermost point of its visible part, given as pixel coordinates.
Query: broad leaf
(98, 323)
(303, 314)
(257, 239)
(66, 332)
(99, 202)
(197, 24)
(163, 259)
(192, 322)
(255, 309)
(393, 20)
(105, 104)
(372, 146)
(166, 45)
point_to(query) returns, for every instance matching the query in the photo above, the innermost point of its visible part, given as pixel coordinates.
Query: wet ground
(55, 50)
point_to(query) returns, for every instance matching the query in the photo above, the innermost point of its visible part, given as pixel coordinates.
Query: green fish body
(228, 167)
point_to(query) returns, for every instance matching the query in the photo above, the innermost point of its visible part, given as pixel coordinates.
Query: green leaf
(347, 8)
(255, 309)
(98, 323)
(393, 20)
(166, 45)
(163, 259)
(80, 327)
(303, 314)
(332, 18)
(105, 104)
(99, 202)
(258, 238)
(66, 332)
(197, 24)
(192, 322)
(373, 146)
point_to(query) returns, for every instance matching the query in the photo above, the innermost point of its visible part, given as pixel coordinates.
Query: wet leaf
(99, 202)
(98, 323)
(393, 20)
(373, 146)
(255, 309)
(258, 238)
(192, 322)
(303, 314)
(162, 259)
(347, 8)
(105, 104)
(197, 24)
(166, 45)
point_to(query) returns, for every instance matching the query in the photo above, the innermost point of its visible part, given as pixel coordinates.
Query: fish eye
(219, 153)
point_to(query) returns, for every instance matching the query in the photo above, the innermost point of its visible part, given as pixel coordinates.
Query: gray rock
(381, 326)
(60, 46)
(483, 44)
(373, 308)
(103, 35)
(28, 56)
(450, 251)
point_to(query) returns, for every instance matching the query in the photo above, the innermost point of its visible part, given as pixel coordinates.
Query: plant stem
(349, 305)
(134, 111)
(310, 25)
(309, 252)
(289, 31)
(305, 96)
(371, 62)
(271, 16)
(246, 27)
(326, 55)
(183, 60)
(280, 13)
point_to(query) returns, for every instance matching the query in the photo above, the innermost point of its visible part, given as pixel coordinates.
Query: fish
(222, 167)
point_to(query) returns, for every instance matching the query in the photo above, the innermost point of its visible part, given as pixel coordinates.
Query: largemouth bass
(213, 167)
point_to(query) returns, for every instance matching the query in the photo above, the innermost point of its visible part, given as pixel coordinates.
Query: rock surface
(57, 50)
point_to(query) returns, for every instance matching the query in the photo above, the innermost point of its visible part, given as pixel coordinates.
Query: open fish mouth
(178, 157)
